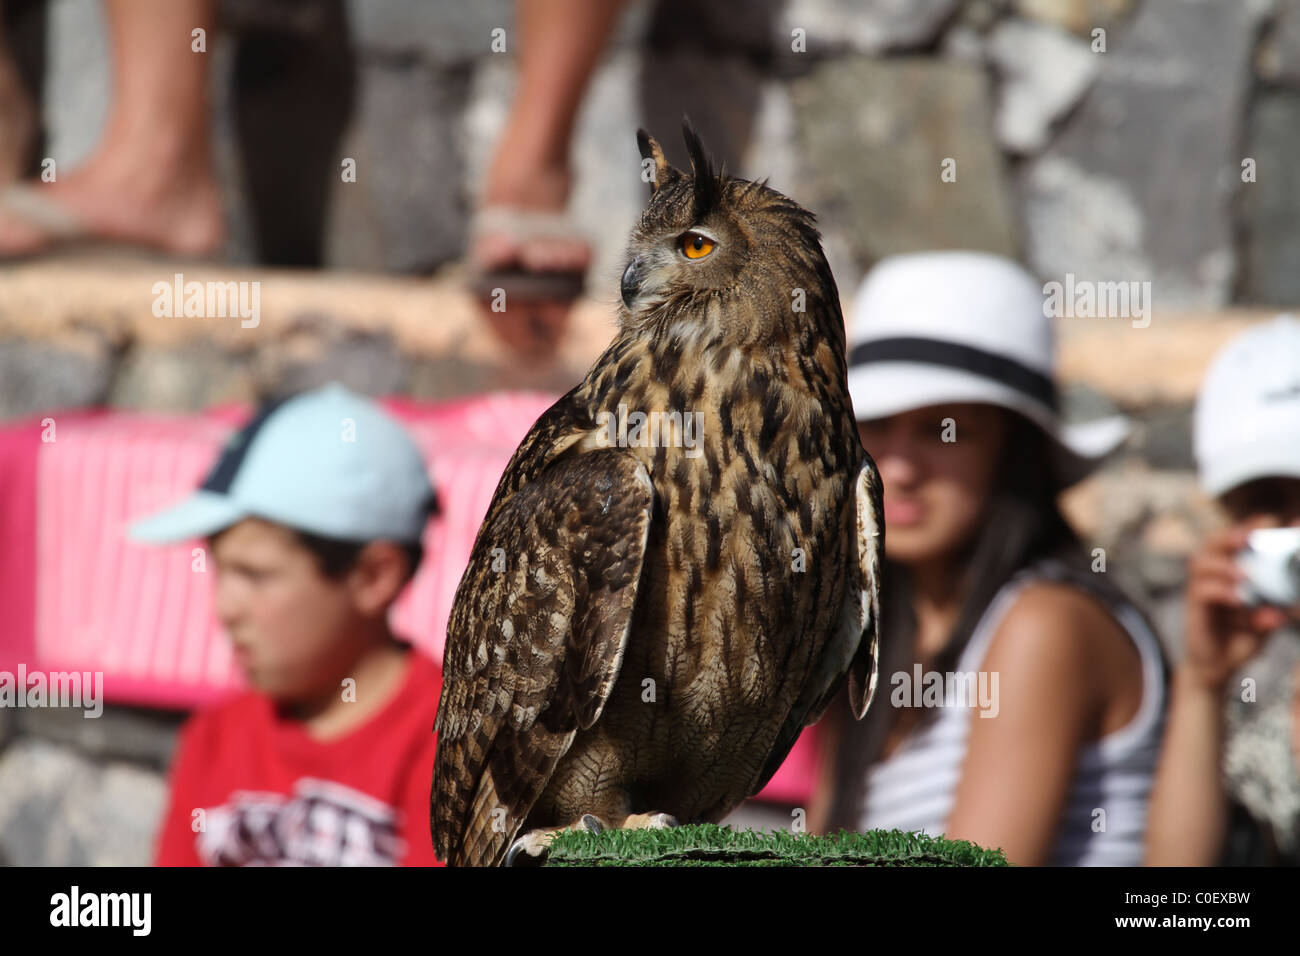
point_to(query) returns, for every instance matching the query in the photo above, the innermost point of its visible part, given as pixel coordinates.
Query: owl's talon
(530, 849)
(515, 850)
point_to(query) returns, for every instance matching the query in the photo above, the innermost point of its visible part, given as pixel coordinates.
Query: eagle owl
(681, 563)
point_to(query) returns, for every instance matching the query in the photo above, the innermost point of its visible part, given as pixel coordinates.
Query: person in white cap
(1228, 788)
(313, 515)
(1024, 694)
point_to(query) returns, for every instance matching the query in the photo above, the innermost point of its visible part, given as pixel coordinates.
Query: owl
(680, 567)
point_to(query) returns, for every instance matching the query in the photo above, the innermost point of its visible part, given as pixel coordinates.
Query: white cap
(327, 462)
(937, 327)
(1248, 411)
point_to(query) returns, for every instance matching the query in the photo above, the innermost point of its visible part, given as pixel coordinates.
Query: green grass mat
(713, 845)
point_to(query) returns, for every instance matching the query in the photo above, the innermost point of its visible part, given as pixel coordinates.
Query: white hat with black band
(933, 328)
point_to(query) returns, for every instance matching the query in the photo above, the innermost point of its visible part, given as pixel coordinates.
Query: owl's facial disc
(668, 263)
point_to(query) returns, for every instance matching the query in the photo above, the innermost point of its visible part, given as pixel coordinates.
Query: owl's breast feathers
(748, 563)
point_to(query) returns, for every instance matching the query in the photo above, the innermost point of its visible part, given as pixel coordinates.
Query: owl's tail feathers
(516, 772)
(489, 829)
(462, 829)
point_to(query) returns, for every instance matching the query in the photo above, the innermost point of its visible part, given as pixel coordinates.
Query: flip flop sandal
(69, 236)
(520, 283)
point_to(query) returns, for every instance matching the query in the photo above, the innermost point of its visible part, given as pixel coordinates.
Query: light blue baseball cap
(327, 462)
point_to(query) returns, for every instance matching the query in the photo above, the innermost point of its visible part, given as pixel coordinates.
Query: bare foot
(175, 211)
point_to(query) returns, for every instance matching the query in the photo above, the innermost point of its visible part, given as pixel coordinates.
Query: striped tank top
(913, 788)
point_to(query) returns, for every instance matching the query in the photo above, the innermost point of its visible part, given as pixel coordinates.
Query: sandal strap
(26, 202)
(525, 224)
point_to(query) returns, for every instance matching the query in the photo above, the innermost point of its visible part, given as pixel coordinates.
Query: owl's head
(706, 239)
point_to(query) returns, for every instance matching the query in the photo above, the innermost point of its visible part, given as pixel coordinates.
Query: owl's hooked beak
(631, 284)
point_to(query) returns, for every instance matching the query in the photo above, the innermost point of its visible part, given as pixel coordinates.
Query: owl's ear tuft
(708, 185)
(650, 149)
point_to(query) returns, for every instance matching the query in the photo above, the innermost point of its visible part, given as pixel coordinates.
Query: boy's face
(289, 624)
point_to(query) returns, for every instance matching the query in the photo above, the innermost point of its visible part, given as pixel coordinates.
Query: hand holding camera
(1240, 585)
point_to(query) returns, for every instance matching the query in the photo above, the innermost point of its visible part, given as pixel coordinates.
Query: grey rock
(36, 779)
(442, 30)
(1078, 16)
(486, 109)
(316, 350)
(876, 135)
(184, 379)
(1270, 206)
(1082, 403)
(1162, 571)
(115, 823)
(40, 376)
(141, 736)
(608, 194)
(721, 92)
(966, 44)
(865, 26)
(1044, 73)
(77, 85)
(980, 15)
(1077, 221)
(773, 152)
(405, 211)
(57, 808)
(1102, 201)
(1168, 613)
(1164, 438)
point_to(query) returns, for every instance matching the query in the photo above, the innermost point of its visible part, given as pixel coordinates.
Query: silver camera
(1271, 561)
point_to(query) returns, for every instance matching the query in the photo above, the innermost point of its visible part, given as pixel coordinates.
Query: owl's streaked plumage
(646, 628)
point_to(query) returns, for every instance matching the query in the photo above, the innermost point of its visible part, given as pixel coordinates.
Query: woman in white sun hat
(951, 373)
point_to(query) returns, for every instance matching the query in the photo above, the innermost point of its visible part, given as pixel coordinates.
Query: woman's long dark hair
(1022, 525)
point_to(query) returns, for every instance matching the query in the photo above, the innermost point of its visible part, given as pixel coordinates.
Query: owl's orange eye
(696, 245)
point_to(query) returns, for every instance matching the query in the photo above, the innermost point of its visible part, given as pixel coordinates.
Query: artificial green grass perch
(708, 844)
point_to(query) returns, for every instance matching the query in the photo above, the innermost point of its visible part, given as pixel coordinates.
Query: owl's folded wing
(534, 643)
(855, 648)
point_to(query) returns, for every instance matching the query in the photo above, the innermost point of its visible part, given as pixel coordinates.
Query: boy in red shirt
(314, 515)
